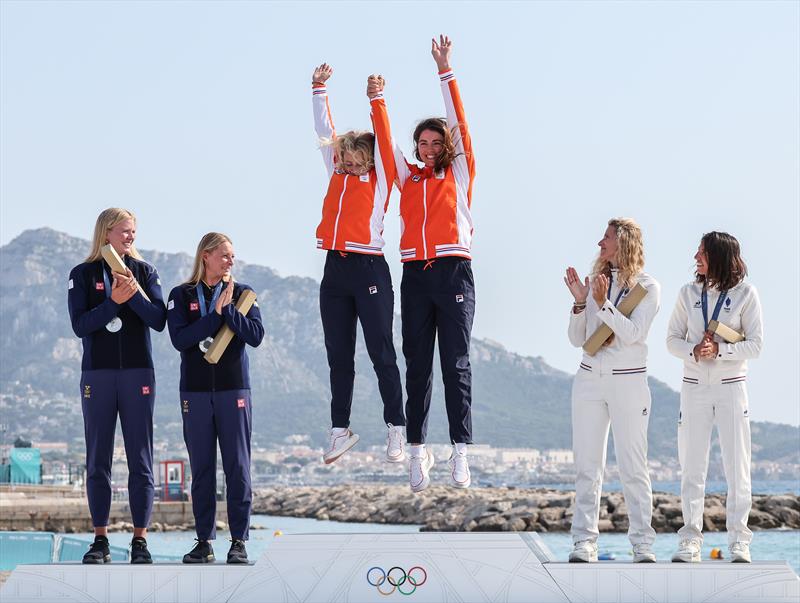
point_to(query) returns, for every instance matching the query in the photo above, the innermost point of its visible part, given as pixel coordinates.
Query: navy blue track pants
(227, 416)
(131, 393)
(438, 297)
(359, 286)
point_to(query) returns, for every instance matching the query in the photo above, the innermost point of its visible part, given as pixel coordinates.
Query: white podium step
(429, 567)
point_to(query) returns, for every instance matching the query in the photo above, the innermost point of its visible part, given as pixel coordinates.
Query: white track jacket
(740, 311)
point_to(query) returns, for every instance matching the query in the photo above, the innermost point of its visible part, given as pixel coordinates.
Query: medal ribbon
(717, 308)
(201, 297)
(611, 284)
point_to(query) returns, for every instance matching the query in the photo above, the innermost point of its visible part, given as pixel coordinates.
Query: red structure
(173, 481)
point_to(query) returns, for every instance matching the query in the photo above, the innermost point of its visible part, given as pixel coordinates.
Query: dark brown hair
(437, 124)
(726, 268)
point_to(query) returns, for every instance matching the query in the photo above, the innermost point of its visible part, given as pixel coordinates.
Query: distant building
(517, 455)
(559, 456)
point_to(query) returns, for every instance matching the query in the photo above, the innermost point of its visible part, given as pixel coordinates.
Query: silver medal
(114, 325)
(205, 344)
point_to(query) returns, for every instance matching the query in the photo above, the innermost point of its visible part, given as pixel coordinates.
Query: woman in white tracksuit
(714, 390)
(610, 388)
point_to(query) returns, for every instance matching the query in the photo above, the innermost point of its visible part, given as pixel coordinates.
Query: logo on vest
(185, 405)
(644, 412)
(145, 390)
(459, 298)
(373, 290)
(240, 403)
(194, 306)
(100, 286)
(364, 177)
(416, 178)
(697, 304)
(87, 391)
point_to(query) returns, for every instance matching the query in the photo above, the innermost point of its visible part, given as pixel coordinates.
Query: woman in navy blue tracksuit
(215, 398)
(113, 320)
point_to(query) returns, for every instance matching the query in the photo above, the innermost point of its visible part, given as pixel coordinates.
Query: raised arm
(464, 163)
(385, 169)
(323, 122)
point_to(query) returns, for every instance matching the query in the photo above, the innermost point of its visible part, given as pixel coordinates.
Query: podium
(431, 567)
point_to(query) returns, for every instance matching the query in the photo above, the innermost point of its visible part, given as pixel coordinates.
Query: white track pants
(702, 407)
(623, 402)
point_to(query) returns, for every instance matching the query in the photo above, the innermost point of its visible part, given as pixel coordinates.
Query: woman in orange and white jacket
(357, 284)
(438, 290)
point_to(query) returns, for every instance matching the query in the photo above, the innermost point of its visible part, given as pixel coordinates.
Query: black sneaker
(237, 554)
(98, 552)
(139, 552)
(201, 553)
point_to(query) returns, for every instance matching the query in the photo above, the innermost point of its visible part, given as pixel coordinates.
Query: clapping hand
(600, 285)
(124, 287)
(578, 288)
(225, 298)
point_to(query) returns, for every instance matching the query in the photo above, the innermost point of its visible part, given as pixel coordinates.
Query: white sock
(337, 431)
(460, 449)
(417, 450)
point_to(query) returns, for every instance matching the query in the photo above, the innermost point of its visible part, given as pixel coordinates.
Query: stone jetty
(443, 509)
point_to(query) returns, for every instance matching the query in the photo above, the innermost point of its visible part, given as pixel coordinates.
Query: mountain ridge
(518, 401)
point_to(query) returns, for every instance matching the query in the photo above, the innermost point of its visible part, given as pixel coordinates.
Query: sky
(197, 116)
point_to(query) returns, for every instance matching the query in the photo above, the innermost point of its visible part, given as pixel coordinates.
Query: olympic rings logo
(396, 577)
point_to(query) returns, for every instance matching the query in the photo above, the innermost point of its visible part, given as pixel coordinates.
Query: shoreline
(444, 509)
(438, 509)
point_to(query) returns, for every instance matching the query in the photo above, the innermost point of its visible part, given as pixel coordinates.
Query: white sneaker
(395, 444)
(584, 551)
(459, 469)
(643, 553)
(740, 552)
(418, 469)
(341, 440)
(688, 551)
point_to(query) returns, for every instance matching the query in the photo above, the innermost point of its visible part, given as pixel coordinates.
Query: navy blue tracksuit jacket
(215, 402)
(117, 378)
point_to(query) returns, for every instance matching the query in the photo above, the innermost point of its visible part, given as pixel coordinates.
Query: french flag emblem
(240, 403)
(145, 390)
(100, 286)
(194, 306)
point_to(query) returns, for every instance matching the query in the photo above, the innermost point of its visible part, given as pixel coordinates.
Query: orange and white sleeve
(464, 163)
(323, 124)
(385, 169)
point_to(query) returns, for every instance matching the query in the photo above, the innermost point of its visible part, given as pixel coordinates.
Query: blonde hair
(107, 220)
(361, 145)
(630, 252)
(208, 243)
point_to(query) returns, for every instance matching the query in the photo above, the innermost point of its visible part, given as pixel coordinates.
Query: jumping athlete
(357, 285)
(215, 398)
(438, 291)
(610, 388)
(714, 391)
(113, 320)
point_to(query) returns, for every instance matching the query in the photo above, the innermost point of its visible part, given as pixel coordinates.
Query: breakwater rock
(444, 509)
